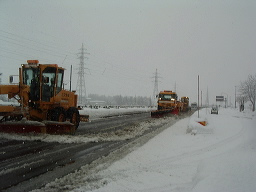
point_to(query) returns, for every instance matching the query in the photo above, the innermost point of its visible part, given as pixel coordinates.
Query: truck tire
(74, 116)
(58, 114)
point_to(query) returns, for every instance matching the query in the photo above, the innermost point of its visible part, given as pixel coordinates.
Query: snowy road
(23, 160)
(32, 161)
(177, 161)
(218, 157)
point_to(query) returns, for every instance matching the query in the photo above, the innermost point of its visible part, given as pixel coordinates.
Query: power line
(52, 48)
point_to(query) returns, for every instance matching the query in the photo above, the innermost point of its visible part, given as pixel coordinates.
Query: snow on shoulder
(202, 124)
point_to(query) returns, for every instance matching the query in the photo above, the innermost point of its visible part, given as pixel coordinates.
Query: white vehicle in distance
(194, 106)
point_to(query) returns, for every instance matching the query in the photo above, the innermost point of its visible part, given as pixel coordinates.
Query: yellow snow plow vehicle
(44, 104)
(168, 103)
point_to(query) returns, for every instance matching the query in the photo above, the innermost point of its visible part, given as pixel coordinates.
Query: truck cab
(167, 100)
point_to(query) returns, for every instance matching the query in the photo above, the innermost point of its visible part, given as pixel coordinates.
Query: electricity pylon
(155, 91)
(80, 87)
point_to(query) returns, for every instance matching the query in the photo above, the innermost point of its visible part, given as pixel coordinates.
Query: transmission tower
(80, 87)
(155, 92)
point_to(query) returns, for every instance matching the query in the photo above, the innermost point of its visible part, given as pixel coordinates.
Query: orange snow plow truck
(168, 104)
(44, 104)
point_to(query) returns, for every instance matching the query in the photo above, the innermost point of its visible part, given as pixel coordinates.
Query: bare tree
(241, 99)
(248, 89)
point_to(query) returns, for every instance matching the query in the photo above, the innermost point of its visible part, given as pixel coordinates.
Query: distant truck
(167, 100)
(185, 101)
(194, 106)
(168, 103)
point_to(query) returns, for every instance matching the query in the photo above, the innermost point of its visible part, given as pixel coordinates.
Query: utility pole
(201, 98)
(235, 97)
(81, 77)
(1, 96)
(70, 79)
(1, 78)
(207, 98)
(198, 96)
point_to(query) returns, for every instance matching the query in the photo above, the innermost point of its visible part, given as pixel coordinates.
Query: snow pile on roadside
(176, 161)
(194, 126)
(129, 132)
(102, 112)
(47, 138)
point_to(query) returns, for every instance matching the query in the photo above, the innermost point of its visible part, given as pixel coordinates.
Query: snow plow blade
(175, 111)
(160, 113)
(53, 127)
(163, 113)
(49, 127)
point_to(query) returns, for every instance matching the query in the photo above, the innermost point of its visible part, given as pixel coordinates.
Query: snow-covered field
(222, 159)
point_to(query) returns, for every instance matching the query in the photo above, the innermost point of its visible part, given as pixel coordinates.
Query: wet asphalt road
(27, 165)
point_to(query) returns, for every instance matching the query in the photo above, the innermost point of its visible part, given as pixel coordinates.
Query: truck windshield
(167, 96)
(59, 80)
(31, 78)
(48, 86)
(30, 74)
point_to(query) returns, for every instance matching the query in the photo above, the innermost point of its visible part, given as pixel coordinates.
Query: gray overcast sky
(129, 40)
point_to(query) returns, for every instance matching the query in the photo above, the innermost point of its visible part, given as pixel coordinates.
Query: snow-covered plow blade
(164, 112)
(49, 127)
(53, 127)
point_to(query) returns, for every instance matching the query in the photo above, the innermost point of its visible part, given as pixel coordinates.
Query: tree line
(120, 100)
(108, 100)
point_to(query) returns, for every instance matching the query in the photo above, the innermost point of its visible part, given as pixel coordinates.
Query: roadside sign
(219, 98)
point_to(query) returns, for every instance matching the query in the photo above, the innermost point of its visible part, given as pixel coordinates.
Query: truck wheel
(58, 114)
(74, 116)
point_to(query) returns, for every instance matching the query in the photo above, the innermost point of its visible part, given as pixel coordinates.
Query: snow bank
(102, 112)
(194, 126)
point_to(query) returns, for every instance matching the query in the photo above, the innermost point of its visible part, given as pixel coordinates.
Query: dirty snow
(176, 160)
(126, 133)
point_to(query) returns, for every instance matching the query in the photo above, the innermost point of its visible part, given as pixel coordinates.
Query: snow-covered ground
(182, 158)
